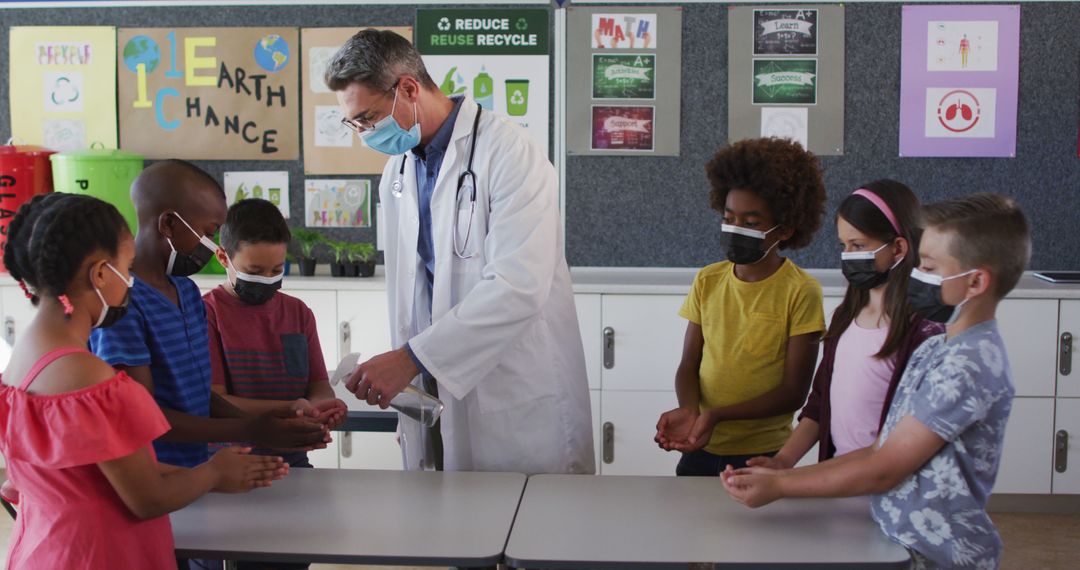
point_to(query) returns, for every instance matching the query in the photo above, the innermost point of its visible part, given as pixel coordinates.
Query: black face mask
(924, 295)
(183, 265)
(255, 289)
(111, 314)
(858, 268)
(744, 246)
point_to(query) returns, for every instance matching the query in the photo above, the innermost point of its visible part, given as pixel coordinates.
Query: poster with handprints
(329, 146)
(271, 186)
(337, 203)
(66, 79)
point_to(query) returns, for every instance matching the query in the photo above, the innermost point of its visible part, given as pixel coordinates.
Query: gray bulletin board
(654, 211)
(580, 100)
(316, 15)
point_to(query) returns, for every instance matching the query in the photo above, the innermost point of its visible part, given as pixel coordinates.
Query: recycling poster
(498, 57)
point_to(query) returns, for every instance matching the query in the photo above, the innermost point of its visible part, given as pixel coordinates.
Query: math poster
(329, 146)
(210, 93)
(63, 86)
(632, 31)
(337, 203)
(959, 78)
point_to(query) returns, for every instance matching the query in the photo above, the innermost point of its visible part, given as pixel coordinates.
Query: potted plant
(341, 258)
(307, 239)
(362, 257)
(289, 260)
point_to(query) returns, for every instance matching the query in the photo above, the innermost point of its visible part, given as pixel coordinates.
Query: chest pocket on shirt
(294, 348)
(763, 335)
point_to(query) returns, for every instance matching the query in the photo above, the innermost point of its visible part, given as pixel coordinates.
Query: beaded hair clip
(68, 309)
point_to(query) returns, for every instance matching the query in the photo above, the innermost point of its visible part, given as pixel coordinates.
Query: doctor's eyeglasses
(362, 125)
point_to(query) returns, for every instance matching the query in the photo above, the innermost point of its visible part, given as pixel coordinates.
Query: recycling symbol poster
(498, 57)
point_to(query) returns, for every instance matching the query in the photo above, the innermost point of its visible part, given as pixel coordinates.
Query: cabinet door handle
(9, 331)
(609, 348)
(1061, 451)
(344, 339)
(1065, 354)
(608, 449)
(346, 444)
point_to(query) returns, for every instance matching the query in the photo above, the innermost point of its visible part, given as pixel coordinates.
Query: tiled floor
(1032, 542)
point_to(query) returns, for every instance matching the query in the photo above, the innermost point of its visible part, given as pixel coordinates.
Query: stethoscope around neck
(467, 177)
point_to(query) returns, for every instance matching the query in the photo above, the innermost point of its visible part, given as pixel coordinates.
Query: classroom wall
(655, 211)
(644, 211)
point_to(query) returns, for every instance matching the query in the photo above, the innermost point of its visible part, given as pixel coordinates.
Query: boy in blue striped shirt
(163, 343)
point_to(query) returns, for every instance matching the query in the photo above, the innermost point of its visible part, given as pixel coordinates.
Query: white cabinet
(588, 315)
(594, 403)
(1029, 329)
(647, 335)
(1025, 458)
(17, 312)
(1068, 427)
(324, 305)
(1068, 385)
(366, 314)
(630, 418)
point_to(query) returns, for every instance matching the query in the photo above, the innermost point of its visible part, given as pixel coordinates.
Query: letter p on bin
(103, 173)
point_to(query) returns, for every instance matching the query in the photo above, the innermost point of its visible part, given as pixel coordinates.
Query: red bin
(25, 171)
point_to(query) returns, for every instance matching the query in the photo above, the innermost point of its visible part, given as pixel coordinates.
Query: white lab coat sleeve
(521, 249)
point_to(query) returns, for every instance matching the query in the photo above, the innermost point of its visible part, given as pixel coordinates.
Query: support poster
(329, 146)
(786, 75)
(210, 93)
(65, 79)
(498, 57)
(959, 80)
(623, 77)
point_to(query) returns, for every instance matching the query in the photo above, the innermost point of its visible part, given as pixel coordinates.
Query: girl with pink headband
(873, 332)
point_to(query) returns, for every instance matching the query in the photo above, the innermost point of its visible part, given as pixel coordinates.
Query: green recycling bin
(103, 173)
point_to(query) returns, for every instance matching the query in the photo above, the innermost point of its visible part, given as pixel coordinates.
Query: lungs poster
(498, 57)
(63, 82)
(786, 75)
(959, 80)
(329, 146)
(210, 93)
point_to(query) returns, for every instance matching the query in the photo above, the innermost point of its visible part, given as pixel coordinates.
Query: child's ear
(784, 234)
(981, 281)
(164, 225)
(97, 273)
(901, 247)
(222, 257)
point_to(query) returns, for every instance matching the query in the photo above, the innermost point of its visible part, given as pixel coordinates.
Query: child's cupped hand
(331, 412)
(237, 471)
(674, 428)
(751, 486)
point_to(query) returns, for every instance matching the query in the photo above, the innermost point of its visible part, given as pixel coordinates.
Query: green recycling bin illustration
(517, 97)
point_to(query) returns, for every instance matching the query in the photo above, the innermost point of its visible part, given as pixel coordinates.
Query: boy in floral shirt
(934, 465)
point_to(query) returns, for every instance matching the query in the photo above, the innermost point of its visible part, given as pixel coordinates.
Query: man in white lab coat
(479, 290)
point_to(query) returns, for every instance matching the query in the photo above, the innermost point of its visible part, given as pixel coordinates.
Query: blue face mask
(388, 137)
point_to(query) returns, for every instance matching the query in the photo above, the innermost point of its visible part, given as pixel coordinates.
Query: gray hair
(375, 59)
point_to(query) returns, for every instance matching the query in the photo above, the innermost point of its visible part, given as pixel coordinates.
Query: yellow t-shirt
(746, 327)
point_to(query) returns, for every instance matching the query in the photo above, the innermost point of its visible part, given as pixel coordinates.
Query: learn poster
(63, 81)
(337, 203)
(210, 93)
(786, 75)
(272, 186)
(624, 76)
(959, 80)
(498, 57)
(329, 146)
(622, 128)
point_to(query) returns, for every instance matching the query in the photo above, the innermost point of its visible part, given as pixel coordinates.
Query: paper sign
(962, 46)
(633, 31)
(329, 146)
(63, 81)
(785, 123)
(785, 81)
(617, 76)
(622, 128)
(960, 112)
(210, 93)
(337, 203)
(785, 32)
(271, 186)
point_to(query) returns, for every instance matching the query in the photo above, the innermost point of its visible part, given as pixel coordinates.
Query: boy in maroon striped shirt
(264, 349)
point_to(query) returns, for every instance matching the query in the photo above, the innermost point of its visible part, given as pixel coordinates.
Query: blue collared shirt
(428, 161)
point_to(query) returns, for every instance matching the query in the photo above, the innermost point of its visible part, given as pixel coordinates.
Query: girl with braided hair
(76, 433)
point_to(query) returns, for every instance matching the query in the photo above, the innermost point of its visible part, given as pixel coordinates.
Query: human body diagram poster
(210, 93)
(959, 80)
